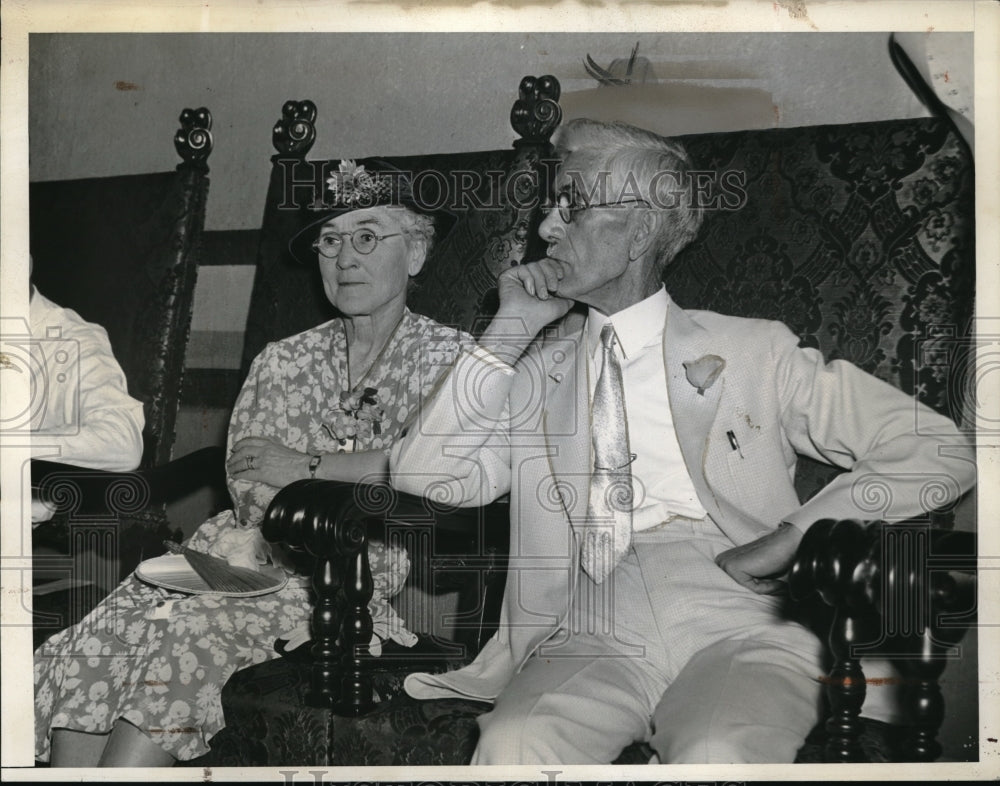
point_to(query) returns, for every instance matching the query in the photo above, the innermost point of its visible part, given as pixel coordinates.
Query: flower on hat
(352, 186)
(703, 372)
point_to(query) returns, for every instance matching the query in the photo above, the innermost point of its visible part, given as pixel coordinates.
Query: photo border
(21, 18)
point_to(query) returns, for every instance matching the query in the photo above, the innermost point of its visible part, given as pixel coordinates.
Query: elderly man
(649, 453)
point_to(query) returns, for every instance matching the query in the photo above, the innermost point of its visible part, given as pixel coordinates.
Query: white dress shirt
(661, 484)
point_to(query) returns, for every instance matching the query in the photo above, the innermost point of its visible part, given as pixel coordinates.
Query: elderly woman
(138, 681)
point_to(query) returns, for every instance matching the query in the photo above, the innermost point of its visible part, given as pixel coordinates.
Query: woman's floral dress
(159, 659)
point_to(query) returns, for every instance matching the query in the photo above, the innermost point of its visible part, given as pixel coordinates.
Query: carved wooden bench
(858, 237)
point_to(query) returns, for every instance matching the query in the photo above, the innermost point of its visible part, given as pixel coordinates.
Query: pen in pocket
(731, 436)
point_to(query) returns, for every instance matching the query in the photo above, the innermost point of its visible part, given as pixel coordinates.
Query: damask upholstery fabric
(269, 724)
(859, 237)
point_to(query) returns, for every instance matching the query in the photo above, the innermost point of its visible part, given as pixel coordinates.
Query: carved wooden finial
(536, 113)
(295, 132)
(193, 139)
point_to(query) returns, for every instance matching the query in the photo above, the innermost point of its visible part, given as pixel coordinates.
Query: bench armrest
(78, 490)
(905, 591)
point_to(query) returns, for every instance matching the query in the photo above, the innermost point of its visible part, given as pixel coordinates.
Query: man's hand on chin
(528, 302)
(759, 564)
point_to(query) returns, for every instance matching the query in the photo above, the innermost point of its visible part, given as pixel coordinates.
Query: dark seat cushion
(269, 724)
(878, 742)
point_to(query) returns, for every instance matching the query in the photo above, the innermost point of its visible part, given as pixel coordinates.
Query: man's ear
(645, 226)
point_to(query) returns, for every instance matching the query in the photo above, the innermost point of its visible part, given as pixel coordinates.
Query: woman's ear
(645, 227)
(417, 255)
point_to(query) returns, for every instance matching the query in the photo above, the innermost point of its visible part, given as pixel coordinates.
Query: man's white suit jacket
(488, 430)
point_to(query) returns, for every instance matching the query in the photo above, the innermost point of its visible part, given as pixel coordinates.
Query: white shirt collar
(636, 326)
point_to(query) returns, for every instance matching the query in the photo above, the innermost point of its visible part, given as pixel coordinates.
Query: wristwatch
(314, 464)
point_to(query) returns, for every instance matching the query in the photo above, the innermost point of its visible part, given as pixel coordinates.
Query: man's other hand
(759, 564)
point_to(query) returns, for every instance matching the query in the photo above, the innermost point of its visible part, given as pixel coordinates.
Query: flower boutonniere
(359, 416)
(703, 372)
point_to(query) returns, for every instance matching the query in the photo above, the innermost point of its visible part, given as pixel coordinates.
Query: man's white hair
(640, 162)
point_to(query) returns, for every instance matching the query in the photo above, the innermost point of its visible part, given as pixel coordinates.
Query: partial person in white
(86, 417)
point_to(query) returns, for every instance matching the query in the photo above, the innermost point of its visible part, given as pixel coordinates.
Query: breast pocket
(744, 443)
(757, 476)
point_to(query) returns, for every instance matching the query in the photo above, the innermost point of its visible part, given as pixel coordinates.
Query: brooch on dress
(359, 417)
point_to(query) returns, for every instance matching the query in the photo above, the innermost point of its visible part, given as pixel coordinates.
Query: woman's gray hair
(641, 163)
(418, 225)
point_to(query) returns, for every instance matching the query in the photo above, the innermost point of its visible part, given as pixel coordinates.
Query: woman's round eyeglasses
(564, 204)
(363, 240)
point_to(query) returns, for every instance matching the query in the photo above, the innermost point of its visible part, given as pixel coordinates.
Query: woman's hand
(266, 461)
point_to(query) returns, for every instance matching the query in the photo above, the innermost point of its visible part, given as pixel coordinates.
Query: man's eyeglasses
(564, 204)
(363, 240)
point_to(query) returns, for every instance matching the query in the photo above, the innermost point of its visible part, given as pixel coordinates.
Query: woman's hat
(374, 183)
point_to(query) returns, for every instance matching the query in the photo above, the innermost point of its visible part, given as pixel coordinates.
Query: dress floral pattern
(160, 659)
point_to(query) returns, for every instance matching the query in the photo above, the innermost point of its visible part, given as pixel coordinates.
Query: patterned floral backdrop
(859, 238)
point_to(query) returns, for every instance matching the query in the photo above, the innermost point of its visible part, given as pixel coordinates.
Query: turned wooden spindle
(926, 597)
(322, 519)
(355, 694)
(922, 699)
(905, 591)
(324, 627)
(831, 562)
(845, 690)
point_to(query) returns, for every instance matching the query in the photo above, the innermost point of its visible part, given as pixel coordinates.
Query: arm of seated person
(837, 413)
(758, 565)
(89, 419)
(265, 460)
(460, 449)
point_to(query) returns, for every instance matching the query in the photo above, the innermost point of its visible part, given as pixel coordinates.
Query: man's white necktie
(609, 512)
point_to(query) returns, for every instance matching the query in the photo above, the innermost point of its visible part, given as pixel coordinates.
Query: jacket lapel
(567, 414)
(693, 413)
